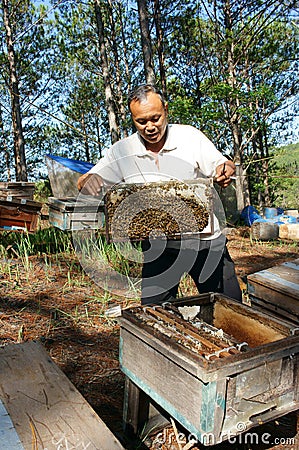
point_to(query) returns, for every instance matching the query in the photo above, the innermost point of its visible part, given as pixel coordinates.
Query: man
(159, 151)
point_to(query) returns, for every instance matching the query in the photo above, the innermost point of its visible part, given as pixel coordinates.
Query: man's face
(150, 119)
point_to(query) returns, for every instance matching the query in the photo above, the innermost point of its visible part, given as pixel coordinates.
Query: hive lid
(77, 204)
(277, 289)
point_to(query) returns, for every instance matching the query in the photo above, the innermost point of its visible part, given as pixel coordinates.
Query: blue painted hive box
(216, 366)
(73, 214)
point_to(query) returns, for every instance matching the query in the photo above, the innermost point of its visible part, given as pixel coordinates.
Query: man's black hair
(141, 92)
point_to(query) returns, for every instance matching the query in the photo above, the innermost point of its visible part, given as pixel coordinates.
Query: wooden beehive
(168, 209)
(19, 214)
(277, 289)
(71, 213)
(17, 189)
(252, 379)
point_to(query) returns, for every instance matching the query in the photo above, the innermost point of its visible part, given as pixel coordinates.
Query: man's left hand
(224, 172)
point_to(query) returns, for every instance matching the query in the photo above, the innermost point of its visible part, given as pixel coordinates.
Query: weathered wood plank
(18, 189)
(43, 404)
(23, 203)
(16, 184)
(284, 278)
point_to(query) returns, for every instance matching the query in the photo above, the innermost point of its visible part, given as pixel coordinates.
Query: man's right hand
(90, 184)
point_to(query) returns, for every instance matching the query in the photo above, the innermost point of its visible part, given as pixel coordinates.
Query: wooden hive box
(277, 289)
(17, 189)
(16, 213)
(43, 406)
(211, 397)
(71, 213)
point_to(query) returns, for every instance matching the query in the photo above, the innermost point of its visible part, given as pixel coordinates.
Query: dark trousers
(207, 262)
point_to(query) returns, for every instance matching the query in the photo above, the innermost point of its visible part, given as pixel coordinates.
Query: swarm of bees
(152, 210)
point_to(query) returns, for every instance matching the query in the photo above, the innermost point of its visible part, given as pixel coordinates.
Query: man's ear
(166, 107)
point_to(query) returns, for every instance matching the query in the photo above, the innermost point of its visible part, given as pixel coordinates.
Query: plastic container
(270, 213)
(249, 215)
(291, 212)
(64, 174)
(289, 231)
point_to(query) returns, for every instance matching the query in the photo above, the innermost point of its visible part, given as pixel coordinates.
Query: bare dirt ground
(53, 301)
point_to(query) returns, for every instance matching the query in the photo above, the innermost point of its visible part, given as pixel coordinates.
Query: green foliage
(182, 107)
(42, 190)
(285, 176)
(228, 71)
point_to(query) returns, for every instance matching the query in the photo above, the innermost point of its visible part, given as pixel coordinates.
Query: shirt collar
(168, 146)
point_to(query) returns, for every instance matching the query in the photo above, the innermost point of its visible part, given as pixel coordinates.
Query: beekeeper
(159, 151)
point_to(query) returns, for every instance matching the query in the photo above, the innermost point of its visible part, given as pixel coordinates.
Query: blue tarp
(249, 214)
(75, 165)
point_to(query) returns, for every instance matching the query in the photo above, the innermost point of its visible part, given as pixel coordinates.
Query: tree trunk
(242, 191)
(99, 136)
(112, 116)
(146, 42)
(85, 138)
(4, 147)
(265, 166)
(160, 47)
(125, 52)
(255, 172)
(120, 101)
(19, 142)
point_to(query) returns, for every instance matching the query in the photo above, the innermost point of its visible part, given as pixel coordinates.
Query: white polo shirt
(187, 154)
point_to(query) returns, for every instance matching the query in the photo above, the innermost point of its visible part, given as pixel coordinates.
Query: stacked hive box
(18, 210)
